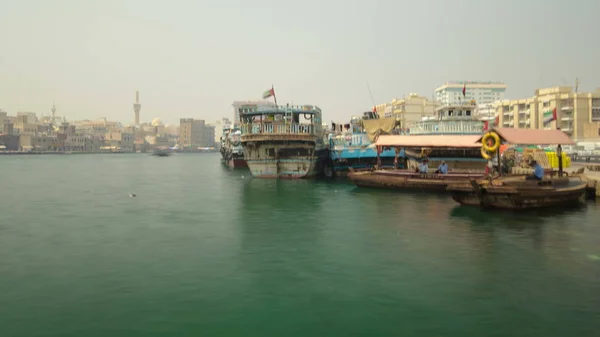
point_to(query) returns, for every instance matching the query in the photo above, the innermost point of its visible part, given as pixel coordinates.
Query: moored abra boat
(285, 142)
(463, 148)
(519, 191)
(409, 180)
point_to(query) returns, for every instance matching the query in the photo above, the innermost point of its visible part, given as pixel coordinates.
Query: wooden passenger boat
(456, 150)
(409, 179)
(518, 193)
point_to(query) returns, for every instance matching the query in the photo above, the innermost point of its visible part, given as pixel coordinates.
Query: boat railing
(285, 108)
(278, 129)
(458, 127)
(350, 140)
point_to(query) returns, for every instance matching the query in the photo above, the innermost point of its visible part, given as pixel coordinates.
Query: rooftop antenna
(576, 84)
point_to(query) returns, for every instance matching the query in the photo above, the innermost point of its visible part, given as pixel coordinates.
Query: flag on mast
(269, 93)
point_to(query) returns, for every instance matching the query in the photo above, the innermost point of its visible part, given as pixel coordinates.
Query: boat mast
(371, 94)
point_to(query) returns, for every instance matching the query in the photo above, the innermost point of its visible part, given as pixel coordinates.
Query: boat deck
(412, 173)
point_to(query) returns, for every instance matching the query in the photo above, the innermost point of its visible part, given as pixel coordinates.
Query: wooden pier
(591, 173)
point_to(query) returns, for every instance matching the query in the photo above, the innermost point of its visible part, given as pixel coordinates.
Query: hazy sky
(192, 58)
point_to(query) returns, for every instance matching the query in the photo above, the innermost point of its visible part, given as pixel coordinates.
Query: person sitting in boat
(443, 168)
(538, 171)
(423, 167)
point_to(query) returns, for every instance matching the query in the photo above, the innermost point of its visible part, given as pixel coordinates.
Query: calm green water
(203, 251)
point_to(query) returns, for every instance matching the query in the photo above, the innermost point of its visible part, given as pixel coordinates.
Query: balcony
(567, 118)
(268, 131)
(524, 112)
(567, 108)
(446, 127)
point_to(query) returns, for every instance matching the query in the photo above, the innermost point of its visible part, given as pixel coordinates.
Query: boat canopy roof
(447, 141)
(532, 136)
(283, 109)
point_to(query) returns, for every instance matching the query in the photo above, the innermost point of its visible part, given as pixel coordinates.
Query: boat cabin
(460, 152)
(449, 120)
(456, 112)
(288, 119)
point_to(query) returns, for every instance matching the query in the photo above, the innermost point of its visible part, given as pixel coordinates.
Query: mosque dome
(156, 122)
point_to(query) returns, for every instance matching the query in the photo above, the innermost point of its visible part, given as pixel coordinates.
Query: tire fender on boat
(490, 148)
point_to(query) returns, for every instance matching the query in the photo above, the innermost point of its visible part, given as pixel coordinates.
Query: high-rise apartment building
(451, 93)
(577, 114)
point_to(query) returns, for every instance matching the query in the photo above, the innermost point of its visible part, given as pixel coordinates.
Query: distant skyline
(191, 58)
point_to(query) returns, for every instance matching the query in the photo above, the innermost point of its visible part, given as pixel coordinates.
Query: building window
(468, 113)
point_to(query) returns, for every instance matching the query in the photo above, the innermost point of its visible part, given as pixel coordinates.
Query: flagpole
(274, 96)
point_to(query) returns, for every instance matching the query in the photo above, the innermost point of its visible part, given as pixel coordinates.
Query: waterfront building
(194, 133)
(575, 113)
(481, 92)
(219, 125)
(3, 118)
(407, 110)
(120, 140)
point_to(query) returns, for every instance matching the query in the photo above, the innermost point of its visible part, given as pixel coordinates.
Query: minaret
(53, 111)
(137, 107)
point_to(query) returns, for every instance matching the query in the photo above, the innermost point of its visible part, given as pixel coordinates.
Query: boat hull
(237, 162)
(233, 159)
(285, 160)
(518, 196)
(409, 180)
(342, 160)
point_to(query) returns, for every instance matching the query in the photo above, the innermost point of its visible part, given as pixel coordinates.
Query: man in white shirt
(423, 167)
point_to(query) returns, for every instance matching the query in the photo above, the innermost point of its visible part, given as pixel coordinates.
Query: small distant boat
(161, 153)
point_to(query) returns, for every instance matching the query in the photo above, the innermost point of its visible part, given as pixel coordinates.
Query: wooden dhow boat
(516, 191)
(460, 152)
